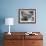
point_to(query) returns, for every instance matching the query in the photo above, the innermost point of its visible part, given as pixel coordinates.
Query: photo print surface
(27, 15)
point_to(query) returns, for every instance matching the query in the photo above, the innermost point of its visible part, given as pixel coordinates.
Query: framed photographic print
(27, 15)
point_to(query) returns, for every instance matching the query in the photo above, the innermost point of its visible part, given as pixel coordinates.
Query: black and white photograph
(27, 15)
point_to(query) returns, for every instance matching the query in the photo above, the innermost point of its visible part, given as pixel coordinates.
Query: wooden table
(20, 39)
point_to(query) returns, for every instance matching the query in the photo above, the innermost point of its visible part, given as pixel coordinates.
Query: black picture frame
(27, 16)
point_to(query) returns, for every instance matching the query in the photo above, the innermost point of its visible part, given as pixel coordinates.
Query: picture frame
(27, 16)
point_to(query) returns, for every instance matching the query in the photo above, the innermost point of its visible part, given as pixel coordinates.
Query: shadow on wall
(2, 21)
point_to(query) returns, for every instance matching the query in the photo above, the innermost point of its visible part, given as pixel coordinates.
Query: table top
(22, 35)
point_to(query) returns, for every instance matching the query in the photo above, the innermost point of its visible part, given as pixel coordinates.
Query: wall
(9, 8)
